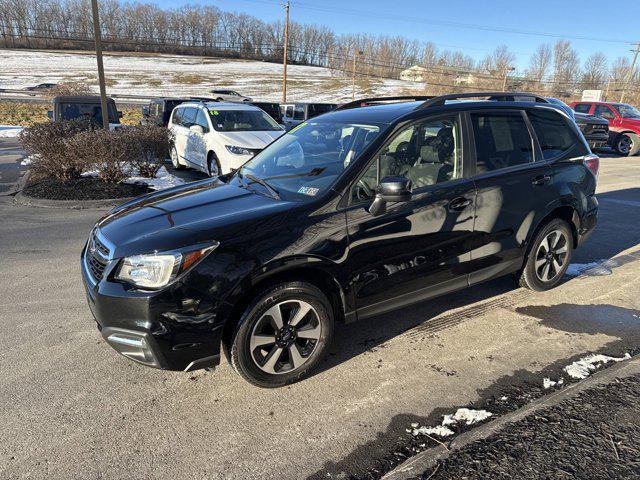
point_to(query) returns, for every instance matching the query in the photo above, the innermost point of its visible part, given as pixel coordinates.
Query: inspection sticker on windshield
(311, 191)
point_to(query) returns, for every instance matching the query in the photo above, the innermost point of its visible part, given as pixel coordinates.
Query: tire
(544, 269)
(627, 144)
(265, 355)
(213, 166)
(175, 160)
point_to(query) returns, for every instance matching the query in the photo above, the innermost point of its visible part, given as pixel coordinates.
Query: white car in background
(219, 137)
(228, 96)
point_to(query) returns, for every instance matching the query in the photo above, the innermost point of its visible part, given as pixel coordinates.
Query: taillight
(593, 163)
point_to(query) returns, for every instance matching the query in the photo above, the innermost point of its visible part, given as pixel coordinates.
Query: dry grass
(27, 114)
(190, 78)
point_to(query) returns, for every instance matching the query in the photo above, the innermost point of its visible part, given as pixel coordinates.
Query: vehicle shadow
(618, 230)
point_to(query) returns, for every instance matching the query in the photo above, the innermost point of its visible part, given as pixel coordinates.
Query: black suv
(359, 212)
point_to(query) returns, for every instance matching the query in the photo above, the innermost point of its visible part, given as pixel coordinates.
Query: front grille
(96, 256)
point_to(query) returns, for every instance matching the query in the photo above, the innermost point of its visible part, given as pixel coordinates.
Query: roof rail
(364, 102)
(437, 101)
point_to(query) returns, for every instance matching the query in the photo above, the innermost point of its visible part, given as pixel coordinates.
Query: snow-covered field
(174, 75)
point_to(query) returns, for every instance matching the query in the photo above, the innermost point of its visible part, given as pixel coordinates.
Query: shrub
(48, 142)
(148, 147)
(103, 150)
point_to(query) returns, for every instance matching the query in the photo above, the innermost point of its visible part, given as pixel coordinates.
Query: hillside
(150, 74)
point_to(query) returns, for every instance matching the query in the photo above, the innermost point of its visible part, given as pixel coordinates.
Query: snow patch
(583, 367)
(599, 268)
(466, 415)
(10, 131)
(548, 383)
(29, 160)
(162, 180)
(440, 431)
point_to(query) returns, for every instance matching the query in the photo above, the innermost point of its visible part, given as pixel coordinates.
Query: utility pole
(353, 74)
(630, 74)
(98, 40)
(284, 59)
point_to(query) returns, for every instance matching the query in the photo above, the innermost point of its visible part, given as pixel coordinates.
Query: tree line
(554, 69)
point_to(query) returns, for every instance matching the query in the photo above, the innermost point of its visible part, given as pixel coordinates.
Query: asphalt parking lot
(70, 407)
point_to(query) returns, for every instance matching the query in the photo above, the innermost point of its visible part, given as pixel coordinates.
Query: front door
(420, 248)
(514, 185)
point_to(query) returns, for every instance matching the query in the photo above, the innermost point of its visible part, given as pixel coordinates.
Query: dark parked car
(272, 108)
(356, 213)
(41, 86)
(69, 107)
(159, 110)
(595, 129)
(294, 114)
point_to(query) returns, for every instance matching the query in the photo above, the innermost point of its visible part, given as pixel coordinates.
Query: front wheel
(549, 257)
(282, 335)
(213, 166)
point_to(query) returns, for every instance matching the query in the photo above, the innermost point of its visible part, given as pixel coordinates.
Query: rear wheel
(175, 161)
(282, 335)
(549, 257)
(627, 144)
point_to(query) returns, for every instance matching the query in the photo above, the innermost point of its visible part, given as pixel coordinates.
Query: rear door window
(502, 140)
(177, 116)
(189, 116)
(604, 111)
(554, 135)
(582, 107)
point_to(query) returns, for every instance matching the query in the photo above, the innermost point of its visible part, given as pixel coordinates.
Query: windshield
(307, 160)
(242, 121)
(627, 111)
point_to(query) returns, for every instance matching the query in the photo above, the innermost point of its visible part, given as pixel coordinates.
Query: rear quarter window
(553, 132)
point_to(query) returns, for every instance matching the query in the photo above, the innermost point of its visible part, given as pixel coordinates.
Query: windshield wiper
(312, 173)
(273, 191)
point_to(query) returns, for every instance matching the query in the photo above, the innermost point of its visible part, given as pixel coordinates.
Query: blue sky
(607, 24)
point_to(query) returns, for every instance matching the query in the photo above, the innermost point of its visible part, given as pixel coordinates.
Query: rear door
(420, 248)
(196, 144)
(514, 184)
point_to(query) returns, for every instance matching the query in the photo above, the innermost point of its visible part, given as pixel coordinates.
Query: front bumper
(171, 329)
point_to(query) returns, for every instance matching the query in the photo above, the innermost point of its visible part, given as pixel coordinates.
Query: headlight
(159, 269)
(238, 150)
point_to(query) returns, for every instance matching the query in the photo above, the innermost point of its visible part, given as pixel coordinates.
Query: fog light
(133, 346)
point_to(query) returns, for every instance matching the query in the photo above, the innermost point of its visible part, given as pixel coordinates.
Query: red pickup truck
(624, 124)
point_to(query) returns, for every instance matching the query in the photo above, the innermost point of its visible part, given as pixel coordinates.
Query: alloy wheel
(625, 144)
(551, 255)
(285, 337)
(213, 167)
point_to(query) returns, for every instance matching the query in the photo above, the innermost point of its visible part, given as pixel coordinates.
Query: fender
(316, 269)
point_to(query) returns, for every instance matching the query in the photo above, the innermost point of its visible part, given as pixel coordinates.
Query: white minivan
(218, 137)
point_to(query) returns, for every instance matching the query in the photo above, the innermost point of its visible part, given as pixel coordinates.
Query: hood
(590, 119)
(187, 215)
(257, 140)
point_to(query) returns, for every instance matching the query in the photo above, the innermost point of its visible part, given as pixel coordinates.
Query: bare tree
(594, 72)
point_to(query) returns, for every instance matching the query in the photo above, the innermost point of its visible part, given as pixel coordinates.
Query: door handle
(459, 203)
(541, 180)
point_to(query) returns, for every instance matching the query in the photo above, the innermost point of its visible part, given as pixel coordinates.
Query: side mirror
(390, 189)
(119, 114)
(50, 114)
(197, 129)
